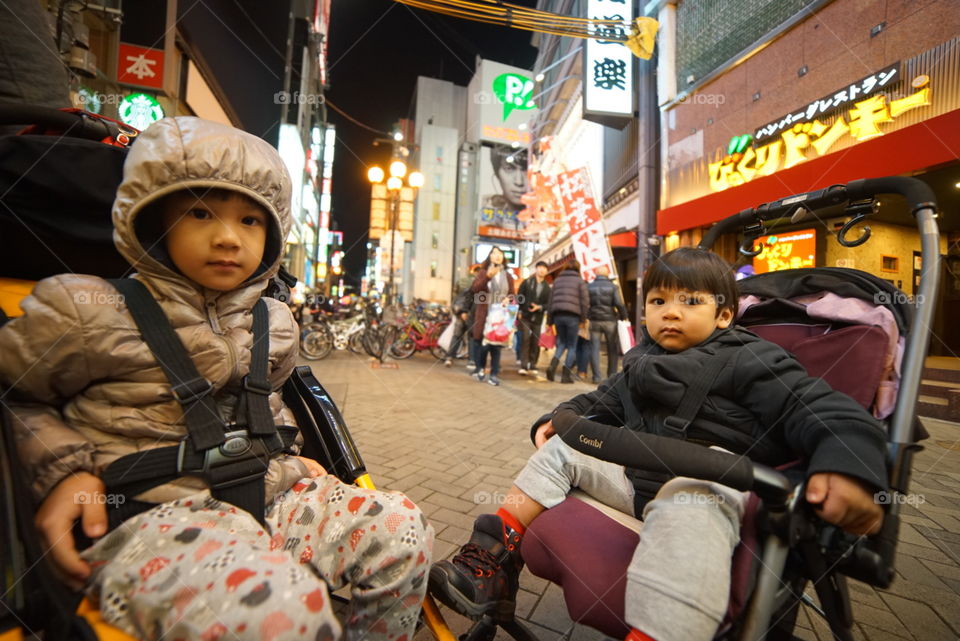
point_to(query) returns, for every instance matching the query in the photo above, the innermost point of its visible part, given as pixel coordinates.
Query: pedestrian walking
(493, 284)
(462, 309)
(606, 308)
(569, 307)
(534, 297)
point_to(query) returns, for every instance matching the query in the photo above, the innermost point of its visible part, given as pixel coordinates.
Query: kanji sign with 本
(608, 83)
(140, 66)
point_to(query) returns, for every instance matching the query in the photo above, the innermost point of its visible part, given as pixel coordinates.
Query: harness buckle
(192, 390)
(256, 386)
(676, 425)
(238, 447)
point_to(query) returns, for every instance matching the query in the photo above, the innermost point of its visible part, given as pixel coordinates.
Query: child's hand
(75, 497)
(845, 502)
(544, 432)
(314, 469)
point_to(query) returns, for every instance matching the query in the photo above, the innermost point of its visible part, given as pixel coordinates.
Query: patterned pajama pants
(199, 569)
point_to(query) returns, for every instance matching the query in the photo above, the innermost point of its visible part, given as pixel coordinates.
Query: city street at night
(643, 317)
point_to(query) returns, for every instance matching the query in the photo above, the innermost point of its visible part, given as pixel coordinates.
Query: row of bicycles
(396, 332)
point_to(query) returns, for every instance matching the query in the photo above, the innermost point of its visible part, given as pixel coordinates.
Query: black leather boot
(567, 376)
(483, 578)
(552, 370)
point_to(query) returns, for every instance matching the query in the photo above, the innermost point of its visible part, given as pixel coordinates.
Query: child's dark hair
(695, 270)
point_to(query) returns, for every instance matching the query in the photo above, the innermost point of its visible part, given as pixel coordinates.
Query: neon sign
(790, 251)
(791, 147)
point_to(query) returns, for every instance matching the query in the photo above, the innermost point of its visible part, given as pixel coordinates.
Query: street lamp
(395, 186)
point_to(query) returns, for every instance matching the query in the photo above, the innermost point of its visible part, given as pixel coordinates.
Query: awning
(926, 144)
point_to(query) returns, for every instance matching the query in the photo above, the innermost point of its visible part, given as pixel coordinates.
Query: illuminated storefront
(777, 122)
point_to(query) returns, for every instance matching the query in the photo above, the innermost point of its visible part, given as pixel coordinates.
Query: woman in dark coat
(492, 284)
(569, 307)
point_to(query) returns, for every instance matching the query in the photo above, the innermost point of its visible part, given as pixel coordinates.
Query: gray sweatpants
(678, 581)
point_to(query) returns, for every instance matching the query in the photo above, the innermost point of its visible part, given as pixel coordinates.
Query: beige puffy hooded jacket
(87, 389)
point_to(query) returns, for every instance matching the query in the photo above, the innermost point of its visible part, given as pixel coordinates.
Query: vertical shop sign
(585, 222)
(608, 78)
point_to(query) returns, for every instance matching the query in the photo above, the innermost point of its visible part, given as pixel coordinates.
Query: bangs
(693, 270)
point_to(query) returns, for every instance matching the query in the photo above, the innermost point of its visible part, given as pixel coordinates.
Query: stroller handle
(799, 206)
(671, 456)
(76, 124)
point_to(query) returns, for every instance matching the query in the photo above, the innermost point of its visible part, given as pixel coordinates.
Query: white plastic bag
(446, 338)
(625, 334)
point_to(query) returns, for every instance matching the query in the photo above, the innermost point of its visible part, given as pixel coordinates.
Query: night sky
(377, 50)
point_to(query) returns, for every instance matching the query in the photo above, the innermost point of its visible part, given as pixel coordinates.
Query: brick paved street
(451, 444)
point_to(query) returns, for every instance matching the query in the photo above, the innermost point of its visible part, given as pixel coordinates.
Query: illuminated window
(435, 241)
(433, 269)
(436, 211)
(889, 263)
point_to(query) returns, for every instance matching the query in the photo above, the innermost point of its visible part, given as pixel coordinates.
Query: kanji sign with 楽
(140, 66)
(585, 222)
(608, 84)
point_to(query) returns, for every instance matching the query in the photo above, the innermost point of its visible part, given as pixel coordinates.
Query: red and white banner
(585, 222)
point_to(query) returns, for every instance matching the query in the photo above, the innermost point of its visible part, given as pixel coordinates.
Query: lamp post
(395, 183)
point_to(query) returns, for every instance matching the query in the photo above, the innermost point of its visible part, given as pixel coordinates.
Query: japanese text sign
(140, 66)
(608, 83)
(788, 251)
(585, 222)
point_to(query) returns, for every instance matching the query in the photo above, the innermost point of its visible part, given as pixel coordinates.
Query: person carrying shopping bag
(492, 285)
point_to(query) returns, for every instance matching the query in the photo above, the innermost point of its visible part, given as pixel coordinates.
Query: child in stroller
(202, 214)
(755, 400)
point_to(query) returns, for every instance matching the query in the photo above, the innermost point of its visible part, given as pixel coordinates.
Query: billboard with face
(502, 183)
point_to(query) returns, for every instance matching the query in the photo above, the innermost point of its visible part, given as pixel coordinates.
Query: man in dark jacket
(534, 297)
(606, 308)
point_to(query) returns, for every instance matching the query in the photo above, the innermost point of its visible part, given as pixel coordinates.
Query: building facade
(801, 95)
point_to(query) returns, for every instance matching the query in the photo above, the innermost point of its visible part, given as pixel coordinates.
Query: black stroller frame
(828, 554)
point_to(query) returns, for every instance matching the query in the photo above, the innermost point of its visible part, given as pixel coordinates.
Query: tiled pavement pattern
(452, 444)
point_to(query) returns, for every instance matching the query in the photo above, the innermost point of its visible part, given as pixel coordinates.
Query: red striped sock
(511, 521)
(637, 635)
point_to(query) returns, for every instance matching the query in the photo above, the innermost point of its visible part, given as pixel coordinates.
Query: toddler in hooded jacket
(202, 215)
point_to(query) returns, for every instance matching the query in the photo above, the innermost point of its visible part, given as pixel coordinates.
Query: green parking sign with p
(514, 91)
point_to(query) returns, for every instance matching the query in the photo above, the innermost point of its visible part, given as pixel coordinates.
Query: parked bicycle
(421, 332)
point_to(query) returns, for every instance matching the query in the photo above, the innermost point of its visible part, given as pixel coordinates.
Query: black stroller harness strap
(232, 460)
(695, 395)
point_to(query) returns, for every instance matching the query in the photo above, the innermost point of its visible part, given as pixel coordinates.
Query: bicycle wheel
(316, 342)
(371, 342)
(355, 342)
(387, 337)
(403, 347)
(438, 352)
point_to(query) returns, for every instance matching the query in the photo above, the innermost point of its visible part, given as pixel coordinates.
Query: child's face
(215, 242)
(678, 319)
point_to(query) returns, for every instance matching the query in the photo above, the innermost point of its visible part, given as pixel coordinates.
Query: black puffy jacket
(605, 301)
(762, 404)
(569, 295)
